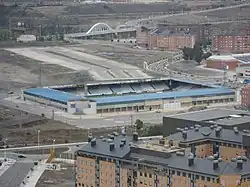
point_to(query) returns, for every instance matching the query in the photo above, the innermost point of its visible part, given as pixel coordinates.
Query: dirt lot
(25, 132)
(18, 72)
(124, 53)
(63, 178)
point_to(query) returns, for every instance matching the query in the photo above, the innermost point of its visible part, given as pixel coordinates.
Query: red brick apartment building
(245, 96)
(231, 43)
(163, 39)
(201, 31)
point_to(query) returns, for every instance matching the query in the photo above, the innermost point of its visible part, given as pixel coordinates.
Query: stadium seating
(136, 87)
(121, 89)
(146, 87)
(159, 86)
(100, 90)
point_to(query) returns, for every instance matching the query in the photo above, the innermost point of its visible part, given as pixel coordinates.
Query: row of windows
(87, 163)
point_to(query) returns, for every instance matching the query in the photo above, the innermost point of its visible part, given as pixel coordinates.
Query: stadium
(128, 95)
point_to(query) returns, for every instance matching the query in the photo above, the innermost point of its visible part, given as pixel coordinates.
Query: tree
(139, 124)
(207, 55)
(187, 53)
(197, 52)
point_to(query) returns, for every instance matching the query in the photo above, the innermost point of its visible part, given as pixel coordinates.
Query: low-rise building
(223, 62)
(226, 118)
(126, 162)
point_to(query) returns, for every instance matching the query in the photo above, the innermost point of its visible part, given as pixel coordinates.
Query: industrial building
(225, 118)
(125, 161)
(129, 95)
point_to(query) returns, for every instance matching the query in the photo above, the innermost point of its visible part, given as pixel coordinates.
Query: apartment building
(170, 41)
(202, 32)
(231, 43)
(125, 161)
(209, 141)
(245, 96)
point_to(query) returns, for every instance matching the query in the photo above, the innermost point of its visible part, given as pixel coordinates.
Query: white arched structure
(99, 28)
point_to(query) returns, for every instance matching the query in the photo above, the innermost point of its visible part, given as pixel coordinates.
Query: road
(139, 21)
(17, 172)
(42, 147)
(85, 122)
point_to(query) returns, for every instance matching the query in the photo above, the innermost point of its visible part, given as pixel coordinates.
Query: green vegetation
(197, 52)
(139, 124)
(4, 34)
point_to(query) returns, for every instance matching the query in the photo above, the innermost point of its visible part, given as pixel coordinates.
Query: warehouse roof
(209, 114)
(52, 94)
(163, 95)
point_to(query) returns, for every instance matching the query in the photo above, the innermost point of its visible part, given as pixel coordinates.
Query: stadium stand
(159, 86)
(100, 90)
(136, 87)
(146, 87)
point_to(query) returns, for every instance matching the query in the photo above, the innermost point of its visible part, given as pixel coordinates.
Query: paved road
(138, 21)
(16, 173)
(93, 121)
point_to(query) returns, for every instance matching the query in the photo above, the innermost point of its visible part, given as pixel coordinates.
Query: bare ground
(17, 72)
(25, 131)
(63, 178)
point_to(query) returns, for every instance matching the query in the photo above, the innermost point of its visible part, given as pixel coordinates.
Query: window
(145, 175)
(202, 178)
(178, 173)
(208, 179)
(184, 174)
(140, 173)
(150, 175)
(197, 177)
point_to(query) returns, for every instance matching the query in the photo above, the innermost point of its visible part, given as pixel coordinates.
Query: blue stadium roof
(52, 94)
(163, 95)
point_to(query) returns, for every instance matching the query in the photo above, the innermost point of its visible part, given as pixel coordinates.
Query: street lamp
(54, 144)
(5, 146)
(38, 138)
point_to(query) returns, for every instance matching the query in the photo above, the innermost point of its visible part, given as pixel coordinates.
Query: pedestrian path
(33, 176)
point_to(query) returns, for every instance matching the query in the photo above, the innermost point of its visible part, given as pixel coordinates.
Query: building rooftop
(206, 133)
(140, 153)
(200, 165)
(163, 95)
(52, 94)
(209, 114)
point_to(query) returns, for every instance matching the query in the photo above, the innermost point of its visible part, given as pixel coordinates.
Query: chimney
(90, 138)
(190, 159)
(135, 136)
(184, 134)
(112, 137)
(93, 142)
(239, 164)
(215, 164)
(121, 144)
(217, 132)
(111, 146)
(123, 141)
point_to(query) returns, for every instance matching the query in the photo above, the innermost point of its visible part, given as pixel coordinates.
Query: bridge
(103, 29)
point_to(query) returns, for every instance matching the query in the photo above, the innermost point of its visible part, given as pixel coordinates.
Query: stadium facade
(129, 95)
